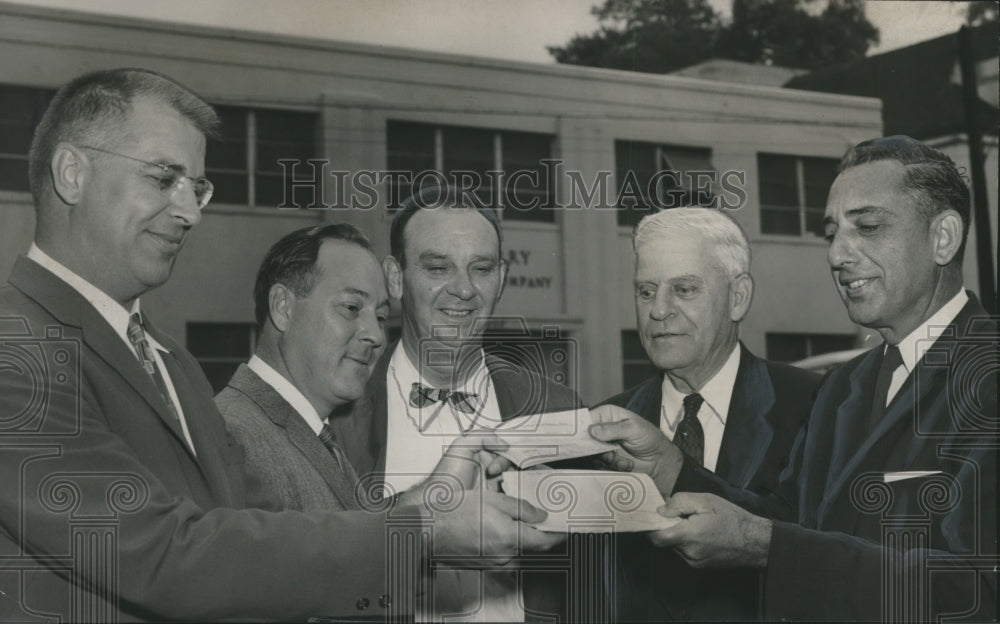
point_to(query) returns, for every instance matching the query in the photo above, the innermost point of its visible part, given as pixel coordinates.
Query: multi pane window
(220, 348)
(254, 140)
(793, 192)
(787, 347)
(636, 367)
(652, 177)
(21, 108)
(466, 157)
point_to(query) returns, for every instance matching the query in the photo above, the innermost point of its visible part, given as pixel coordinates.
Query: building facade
(572, 156)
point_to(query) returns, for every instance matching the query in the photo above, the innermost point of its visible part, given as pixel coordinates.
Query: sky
(507, 29)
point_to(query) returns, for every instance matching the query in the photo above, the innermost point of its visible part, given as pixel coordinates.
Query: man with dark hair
(124, 492)
(320, 303)
(437, 383)
(437, 197)
(893, 480)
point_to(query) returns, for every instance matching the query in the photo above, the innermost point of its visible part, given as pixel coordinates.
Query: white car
(825, 361)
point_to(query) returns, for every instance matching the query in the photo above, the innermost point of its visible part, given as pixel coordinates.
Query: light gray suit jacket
(287, 465)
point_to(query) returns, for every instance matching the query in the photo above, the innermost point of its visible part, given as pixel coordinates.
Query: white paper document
(590, 501)
(890, 477)
(542, 438)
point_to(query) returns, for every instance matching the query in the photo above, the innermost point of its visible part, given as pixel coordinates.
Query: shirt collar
(405, 371)
(112, 311)
(917, 342)
(402, 374)
(717, 391)
(288, 392)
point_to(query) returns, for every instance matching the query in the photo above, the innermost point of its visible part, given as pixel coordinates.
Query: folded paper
(542, 438)
(590, 501)
(889, 477)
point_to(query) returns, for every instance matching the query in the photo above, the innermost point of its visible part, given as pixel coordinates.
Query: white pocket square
(889, 477)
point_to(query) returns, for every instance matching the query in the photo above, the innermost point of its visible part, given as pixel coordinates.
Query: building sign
(534, 284)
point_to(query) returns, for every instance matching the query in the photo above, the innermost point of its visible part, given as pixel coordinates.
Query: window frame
(802, 207)
(250, 165)
(644, 363)
(661, 152)
(236, 359)
(41, 97)
(497, 199)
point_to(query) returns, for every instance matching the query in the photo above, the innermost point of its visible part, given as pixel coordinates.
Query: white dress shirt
(288, 392)
(712, 414)
(917, 342)
(417, 439)
(117, 317)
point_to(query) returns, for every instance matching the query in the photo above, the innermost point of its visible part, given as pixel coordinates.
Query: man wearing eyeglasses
(122, 491)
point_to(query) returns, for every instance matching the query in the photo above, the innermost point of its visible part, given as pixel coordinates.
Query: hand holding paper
(590, 501)
(542, 438)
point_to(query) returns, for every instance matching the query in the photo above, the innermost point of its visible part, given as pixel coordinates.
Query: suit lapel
(854, 411)
(379, 406)
(514, 388)
(283, 415)
(648, 399)
(748, 432)
(197, 406)
(309, 444)
(70, 308)
(848, 416)
(365, 422)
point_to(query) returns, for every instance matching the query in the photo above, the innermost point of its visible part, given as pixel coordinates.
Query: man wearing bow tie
(122, 493)
(436, 383)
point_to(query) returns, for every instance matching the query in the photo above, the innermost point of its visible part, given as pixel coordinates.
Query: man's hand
(644, 448)
(459, 468)
(468, 515)
(492, 526)
(713, 532)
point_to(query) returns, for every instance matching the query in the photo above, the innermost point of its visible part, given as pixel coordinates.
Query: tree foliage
(660, 36)
(982, 12)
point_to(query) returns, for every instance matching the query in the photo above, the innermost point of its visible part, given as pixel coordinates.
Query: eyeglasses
(171, 178)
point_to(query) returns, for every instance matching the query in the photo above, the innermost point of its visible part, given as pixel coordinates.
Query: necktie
(137, 336)
(422, 396)
(690, 438)
(329, 440)
(890, 362)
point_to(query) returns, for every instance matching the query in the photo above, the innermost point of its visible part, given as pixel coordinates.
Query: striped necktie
(137, 336)
(329, 440)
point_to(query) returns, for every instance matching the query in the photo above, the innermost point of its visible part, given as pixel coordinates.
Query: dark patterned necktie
(137, 336)
(690, 437)
(890, 362)
(329, 440)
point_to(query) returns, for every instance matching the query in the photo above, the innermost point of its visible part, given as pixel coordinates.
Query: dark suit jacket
(285, 460)
(833, 562)
(769, 403)
(519, 392)
(89, 446)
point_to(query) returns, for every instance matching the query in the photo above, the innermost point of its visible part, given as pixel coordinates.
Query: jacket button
(384, 601)
(362, 604)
